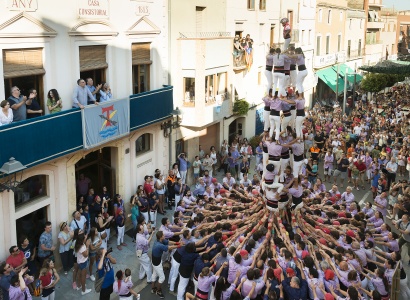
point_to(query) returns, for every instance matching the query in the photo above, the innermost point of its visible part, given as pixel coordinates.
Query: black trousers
(67, 259)
(391, 177)
(106, 293)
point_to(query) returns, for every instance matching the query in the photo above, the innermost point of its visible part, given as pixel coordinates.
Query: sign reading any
(22, 5)
(93, 9)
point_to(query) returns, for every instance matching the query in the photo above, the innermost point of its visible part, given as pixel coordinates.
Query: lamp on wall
(167, 126)
(10, 172)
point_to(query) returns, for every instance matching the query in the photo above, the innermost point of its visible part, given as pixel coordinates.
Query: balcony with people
(41, 138)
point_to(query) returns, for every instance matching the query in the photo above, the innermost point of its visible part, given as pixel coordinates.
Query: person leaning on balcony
(82, 95)
(54, 102)
(6, 113)
(237, 50)
(18, 103)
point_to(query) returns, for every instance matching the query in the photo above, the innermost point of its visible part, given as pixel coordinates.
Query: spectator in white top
(78, 222)
(6, 113)
(228, 181)
(390, 171)
(245, 182)
(82, 95)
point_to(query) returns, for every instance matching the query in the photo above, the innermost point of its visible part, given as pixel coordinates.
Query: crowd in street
(269, 233)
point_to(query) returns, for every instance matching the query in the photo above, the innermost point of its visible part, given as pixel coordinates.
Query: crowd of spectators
(19, 107)
(222, 237)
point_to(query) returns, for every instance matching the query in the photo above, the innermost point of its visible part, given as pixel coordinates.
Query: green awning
(328, 76)
(350, 73)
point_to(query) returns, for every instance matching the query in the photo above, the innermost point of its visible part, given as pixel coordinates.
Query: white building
(207, 79)
(49, 44)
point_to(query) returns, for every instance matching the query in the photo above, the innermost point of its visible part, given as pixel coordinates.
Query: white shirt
(80, 223)
(6, 119)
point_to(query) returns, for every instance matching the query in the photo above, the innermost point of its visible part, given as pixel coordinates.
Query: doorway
(32, 225)
(98, 75)
(97, 167)
(232, 132)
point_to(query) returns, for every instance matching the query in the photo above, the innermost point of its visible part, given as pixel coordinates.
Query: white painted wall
(61, 54)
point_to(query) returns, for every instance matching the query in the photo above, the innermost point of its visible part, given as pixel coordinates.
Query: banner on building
(106, 121)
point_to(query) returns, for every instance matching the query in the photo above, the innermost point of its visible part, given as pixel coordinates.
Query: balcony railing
(355, 54)
(375, 2)
(45, 138)
(189, 100)
(202, 35)
(239, 61)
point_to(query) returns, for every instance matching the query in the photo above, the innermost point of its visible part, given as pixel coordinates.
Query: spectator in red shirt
(147, 185)
(16, 258)
(361, 166)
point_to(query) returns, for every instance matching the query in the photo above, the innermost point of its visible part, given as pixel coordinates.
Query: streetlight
(167, 127)
(10, 171)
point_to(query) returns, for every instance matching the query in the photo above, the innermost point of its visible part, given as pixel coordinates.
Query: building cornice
(76, 32)
(45, 31)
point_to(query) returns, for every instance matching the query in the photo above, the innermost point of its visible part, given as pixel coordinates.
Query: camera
(109, 250)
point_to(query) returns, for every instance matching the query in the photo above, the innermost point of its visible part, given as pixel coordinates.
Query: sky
(398, 4)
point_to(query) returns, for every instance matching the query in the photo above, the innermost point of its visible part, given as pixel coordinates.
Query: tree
(375, 82)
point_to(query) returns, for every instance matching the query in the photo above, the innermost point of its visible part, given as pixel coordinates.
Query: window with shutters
(24, 68)
(141, 63)
(93, 63)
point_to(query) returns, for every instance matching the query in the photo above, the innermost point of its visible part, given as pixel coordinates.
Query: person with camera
(101, 225)
(95, 244)
(18, 286)
(81, 248)
(105, 269)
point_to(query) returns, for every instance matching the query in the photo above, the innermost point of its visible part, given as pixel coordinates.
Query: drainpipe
(169, 41)
(170, 147)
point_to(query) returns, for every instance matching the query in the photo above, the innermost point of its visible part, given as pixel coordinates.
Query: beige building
(388, 35)
(330, 48)
(206, 77)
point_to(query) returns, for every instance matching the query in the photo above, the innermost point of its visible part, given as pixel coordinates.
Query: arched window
(143, 144)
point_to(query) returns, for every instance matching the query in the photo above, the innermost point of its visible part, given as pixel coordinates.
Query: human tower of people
(288, 237)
